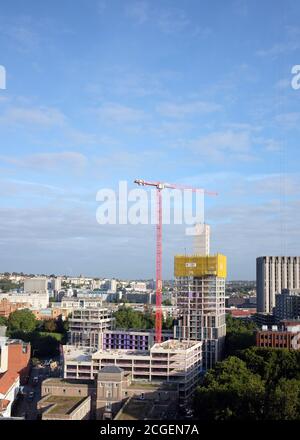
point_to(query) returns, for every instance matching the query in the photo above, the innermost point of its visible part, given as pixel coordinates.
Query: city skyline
(113, 91)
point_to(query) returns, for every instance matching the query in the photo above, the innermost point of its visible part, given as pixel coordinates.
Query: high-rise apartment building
(36, 285)
(87, 325)
(56, 284)
(273, 274)
(200, 288)
(287, 305)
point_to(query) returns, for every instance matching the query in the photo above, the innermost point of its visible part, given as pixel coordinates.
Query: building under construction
(200, 288)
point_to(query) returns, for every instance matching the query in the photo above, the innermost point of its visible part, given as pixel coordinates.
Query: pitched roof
(7, 380)
(4, 404)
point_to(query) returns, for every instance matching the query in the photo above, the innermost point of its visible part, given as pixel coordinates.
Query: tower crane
(159, 187)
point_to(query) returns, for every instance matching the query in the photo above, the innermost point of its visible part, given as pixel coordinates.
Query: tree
(240, 335)
(230, 392)
(42, 345)
(285, 400)
(168, 323)
(50, 326)
(127, 318)
(3, 321)
(22, 320)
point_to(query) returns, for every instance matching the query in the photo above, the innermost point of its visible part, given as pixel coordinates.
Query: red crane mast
(159, 187)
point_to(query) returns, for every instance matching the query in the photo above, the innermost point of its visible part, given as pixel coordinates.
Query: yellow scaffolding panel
(199, 266)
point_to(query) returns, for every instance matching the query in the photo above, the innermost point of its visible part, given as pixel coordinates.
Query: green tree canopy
(240, 334)
(3, 321)
(50, 325)
(230, 391)
(128, 318)
(23, 320)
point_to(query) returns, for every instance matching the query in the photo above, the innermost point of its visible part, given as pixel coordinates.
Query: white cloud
(220, 145)
(40, 116)
(290, 44)
(172, 21)
(288, 120)
(168, 21)
(174, 110)
(63, 161)
(138, 11)
(283, 84)
(113, 112)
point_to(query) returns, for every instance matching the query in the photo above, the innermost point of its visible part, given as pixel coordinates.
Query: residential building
(200, 290)
(14, 370)
(73, 303)
(113, 286)
(7, 307)
(171, 361)
(55, 284)
(261, 319)
(87, 325)
(241, 313)
(139, 297)
(287, 335)
(287, 305)
(273, 274)
(9, 388)
(36, 285)
(48, 313)
(34, 300)
(125, 339)
(139, 286)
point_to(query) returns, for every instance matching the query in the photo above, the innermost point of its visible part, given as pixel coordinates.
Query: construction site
(177, 360)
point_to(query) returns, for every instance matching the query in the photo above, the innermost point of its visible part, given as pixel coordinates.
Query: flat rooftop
(82, 354)
(175, 345)
(152, 386)
(56, 381)
(62, 405)
(78, 354)
(136, 409)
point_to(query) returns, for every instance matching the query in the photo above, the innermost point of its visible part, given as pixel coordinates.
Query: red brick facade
(7, 307)
(275, 339)
(19, 359)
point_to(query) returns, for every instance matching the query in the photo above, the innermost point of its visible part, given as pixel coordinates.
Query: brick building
(287, 335)
(104, 397)
(7, 307)
(14, 370)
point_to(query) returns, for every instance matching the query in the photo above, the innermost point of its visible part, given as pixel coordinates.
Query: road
(26, 407)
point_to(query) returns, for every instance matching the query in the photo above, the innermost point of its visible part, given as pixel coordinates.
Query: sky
(192, 92)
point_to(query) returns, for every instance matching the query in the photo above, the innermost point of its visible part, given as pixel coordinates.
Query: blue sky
(195, 92)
